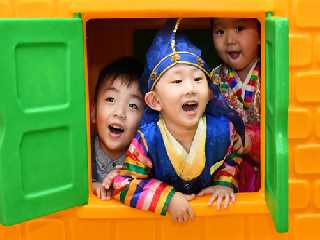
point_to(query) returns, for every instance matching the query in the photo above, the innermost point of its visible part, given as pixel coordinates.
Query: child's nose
(120, 112)
(189, 86)
(230, 37)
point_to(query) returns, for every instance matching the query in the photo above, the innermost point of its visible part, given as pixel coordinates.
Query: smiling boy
(181, 150)
(117, 111)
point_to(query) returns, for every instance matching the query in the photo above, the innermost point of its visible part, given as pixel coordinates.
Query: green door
(43, 149)
(277, 75)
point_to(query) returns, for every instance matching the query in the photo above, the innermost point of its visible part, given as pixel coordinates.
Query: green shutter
(277, 72)
(43, 149)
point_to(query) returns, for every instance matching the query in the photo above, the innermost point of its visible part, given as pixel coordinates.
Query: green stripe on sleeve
(123, 195)
(166, 203)
(137, 169)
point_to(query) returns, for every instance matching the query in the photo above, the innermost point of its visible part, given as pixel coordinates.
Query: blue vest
(217, 141)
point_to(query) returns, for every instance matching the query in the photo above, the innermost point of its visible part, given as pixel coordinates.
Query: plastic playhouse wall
(249, 218)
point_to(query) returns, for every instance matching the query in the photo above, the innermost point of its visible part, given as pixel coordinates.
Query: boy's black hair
(128, 68)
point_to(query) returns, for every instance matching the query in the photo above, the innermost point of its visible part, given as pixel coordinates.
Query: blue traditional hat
(168, 49)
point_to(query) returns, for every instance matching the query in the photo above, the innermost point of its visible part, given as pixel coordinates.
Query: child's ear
(93, 113)
(152, 101)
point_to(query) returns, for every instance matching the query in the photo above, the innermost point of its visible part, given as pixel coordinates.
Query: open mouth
(116, 129)
(190, 106)
(234, 54)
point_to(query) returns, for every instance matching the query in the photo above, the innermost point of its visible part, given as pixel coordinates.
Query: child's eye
(197, 79)
(133, 106)
(177, 81)
(219, 32)
(110, 99)
(239, 28)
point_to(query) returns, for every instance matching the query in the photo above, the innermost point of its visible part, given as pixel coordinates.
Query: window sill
(246, 203)
(168, 8)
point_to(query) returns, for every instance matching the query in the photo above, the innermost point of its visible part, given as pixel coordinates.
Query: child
(118, 108)
(179, 150)
(237, 42)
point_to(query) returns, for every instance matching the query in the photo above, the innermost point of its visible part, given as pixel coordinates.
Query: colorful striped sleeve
(227, 174)
(135, 187)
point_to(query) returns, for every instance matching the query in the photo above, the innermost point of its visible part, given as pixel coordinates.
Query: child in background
(179, 150)
(116, 113)
(237, 42)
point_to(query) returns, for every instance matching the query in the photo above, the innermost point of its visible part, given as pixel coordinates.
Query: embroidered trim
(200, 61)
(243, 97)
(143, 140)
(231, 80)
(175, 57)
(215, 166)
(171, 65)
(169, 55)
(153, 76)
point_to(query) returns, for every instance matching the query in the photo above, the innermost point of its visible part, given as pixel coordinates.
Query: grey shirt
(102, 164)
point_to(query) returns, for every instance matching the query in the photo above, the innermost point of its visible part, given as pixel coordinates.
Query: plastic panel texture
(43, 148)
(277, 92)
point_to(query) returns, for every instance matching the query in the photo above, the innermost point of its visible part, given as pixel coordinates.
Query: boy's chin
(237, 67)
(191, 124)
(118, 147)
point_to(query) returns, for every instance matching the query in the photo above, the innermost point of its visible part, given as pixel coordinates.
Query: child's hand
(107, 181)
(104, 190)
(180, 209)
(100, 191)
(189, 197)
(219, 193)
